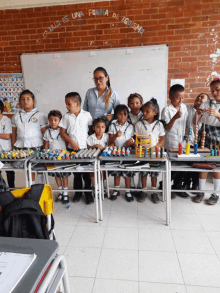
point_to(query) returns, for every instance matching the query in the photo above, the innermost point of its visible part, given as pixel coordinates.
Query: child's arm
(13, 137)
(130, 143)
(5, 135)
(66, 137)
(169, 125)
(46, 145)
(96, 146)
(43, 129)
(160, 143)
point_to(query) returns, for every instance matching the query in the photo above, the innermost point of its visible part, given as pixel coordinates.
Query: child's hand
(213, 112)
(154, 149)
(119, 133)
(201, 111)
(75, 146)
(99, 146)
(135, 145)
(178, 115)
(108, 117)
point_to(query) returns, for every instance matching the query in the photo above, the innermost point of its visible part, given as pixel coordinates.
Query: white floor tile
(200, 269)
(63, 233)
(87, 237)
(185, 222)
(196, 289)
(82, 262)
(122, 205)
(150, 239)
(214, 238)
(159, 267)
(67, 216)
(81, 285)
(61, 249)
(182, 207)
(115, 286)
(122, 219)
(152, 220)
(107, 204)
(210, 222)
(146, 287)
(192, 242)
(121, 238)
(202, 208)
(88, 218)
(118, 264)
(150, 207)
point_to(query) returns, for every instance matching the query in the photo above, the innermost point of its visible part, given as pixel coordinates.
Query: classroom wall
(189, 27)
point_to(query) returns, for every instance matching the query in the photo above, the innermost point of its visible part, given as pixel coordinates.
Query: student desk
(11, 168)
(183, 164)
(32, 167)
(163, 168)
(46, 251)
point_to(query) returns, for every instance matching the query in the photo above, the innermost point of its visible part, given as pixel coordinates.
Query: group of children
(29, 130)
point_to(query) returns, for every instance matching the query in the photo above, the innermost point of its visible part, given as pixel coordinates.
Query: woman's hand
(108, 117)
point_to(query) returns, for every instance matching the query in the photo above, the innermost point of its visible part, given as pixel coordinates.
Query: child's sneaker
(114, 195)
(198, 198)
(59, 197)
(128, 196)
(213, 199)
(65, 199)
(155, 198)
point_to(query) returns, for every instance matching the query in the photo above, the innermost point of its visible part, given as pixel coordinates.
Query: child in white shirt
(53, 141)
(150, 125)
(121, 134)
(74, 128)
(98, 140)
(28, 126)
(174, 116)
(5, 141)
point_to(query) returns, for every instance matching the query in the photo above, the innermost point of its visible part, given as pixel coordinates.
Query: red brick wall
(189, 27)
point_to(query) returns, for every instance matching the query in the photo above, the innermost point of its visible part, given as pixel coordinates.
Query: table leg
(107, 183)
(100, 192)
(96, 192)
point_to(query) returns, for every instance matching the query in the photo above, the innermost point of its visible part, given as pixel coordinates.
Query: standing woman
(101, 100)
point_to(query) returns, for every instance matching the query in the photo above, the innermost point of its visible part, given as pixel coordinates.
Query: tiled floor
(133, 251)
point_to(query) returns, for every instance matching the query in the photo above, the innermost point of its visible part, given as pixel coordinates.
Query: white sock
(65, 192)
(60, 188)
(40, 178)
(117, 186)
(216, 184)
(202, 183)
(153, 189)
(132, 182)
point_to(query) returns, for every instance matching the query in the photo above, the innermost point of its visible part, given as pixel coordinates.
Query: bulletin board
(11, 84)
(50, 76)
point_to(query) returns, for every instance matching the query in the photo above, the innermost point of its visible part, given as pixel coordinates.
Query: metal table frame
(130, 159)
(93, 161)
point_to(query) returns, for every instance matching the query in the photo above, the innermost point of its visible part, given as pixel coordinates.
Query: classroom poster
(11, 84)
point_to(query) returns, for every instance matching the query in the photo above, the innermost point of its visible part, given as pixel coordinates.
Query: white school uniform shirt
(210, 120)
(55, 140)
(92, 140)
(189, 123)
(77, 127)
(5, 128)
(29, 126)
(175, 135)
(154, 129)
(127, 132)
(135, 118)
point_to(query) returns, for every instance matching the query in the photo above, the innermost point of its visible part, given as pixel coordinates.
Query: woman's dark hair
(109, 92)
(215, 81)
(55, 113)
(97, 120)
(135, 95)
(153, 103)
(27, 92)
(119, 108)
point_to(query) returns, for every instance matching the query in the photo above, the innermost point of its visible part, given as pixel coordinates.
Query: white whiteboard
(50, 76)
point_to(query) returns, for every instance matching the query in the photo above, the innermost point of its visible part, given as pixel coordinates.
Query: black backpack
(23, 217)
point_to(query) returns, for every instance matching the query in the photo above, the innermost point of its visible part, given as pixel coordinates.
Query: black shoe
(160, 185)
(133, 192)
(138, 193)
(65, 199)
(141, 196)
(195, 187)
(198, 198)
(183, 194)
(155, 198)
(77, 196)
(213, 199)
(89, 198)
(59, 197)
(186, 186)
(173, 195)
(114, 195)
(128, 196)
